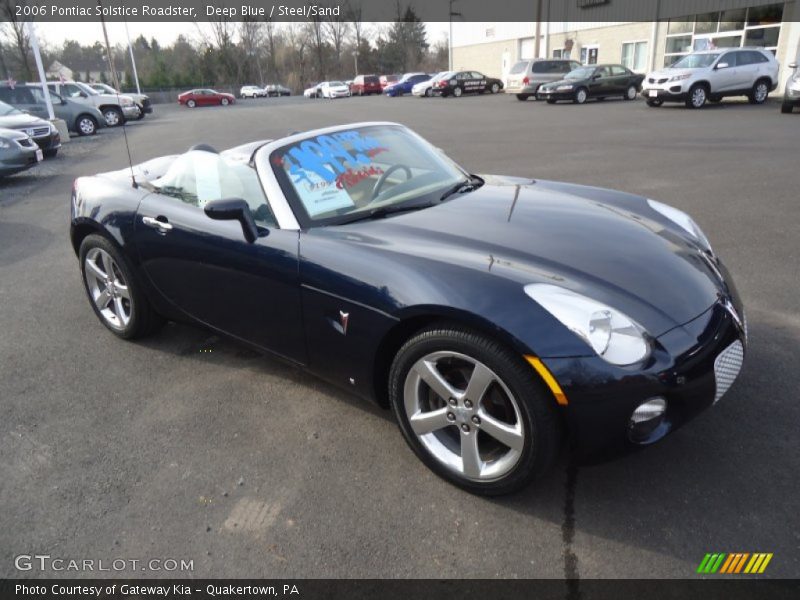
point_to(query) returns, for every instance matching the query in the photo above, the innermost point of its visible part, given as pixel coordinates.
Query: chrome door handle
(162, 226)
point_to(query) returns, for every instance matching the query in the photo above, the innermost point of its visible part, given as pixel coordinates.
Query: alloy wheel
(112, 117)
(698, 96)
(464, 415)
(107, 288)
(86, 126)
(580, 96)
(760, 93)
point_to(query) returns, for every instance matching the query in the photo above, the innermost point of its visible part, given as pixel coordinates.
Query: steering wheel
(382, 179)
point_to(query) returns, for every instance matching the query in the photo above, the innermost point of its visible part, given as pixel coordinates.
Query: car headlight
(563, 88)
(615, 337)
(680, 77)
(5, 144)
(684, 221)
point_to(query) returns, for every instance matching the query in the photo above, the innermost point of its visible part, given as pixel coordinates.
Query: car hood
(22, 121)
(668, 73)
(607, 245)
(12, 134)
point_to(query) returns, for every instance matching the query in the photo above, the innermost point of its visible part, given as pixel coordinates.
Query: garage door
(527, 46)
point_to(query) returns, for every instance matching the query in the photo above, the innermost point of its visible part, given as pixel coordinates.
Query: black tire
(581, 95)
(495, 88)
(654, 102)
(539, 419)
(522, 97)
(191, 103)
(428, 93)
(631, 93)
(113, 116)
(457, 91)
(50, 153)
(760, 92)
(786, 108)
(715, 98)
(85, 125)
(698, 94)
(551, 100)
(143, 319)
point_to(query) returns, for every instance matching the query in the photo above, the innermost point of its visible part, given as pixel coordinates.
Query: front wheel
(191, 103)
(113, 290)
(630, 93)
(581, 95)
(697, 96)
(473, 411)
(457, 92)
(428, 93)
(113, 116)
(522, 97)
(786, 108)
(224, 102)
(86, 125)
(654, 102)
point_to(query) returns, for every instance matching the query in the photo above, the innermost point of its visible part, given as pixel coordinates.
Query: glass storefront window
(707, 23)
(766, 37)
(634, 56)
(732, 20)
(683, 25)
(765, 15)
(679, 43)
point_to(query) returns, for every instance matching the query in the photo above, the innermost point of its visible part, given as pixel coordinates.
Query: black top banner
(598, 11)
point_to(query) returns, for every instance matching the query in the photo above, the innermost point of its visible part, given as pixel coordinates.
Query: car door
(207, 270)
(599, 82)
(478, 82)
(620, 79)
(726, 78)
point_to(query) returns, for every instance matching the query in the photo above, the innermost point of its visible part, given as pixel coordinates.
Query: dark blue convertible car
(494, 315)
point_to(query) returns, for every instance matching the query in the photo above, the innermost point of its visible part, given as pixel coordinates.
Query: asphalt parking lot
(187, 446)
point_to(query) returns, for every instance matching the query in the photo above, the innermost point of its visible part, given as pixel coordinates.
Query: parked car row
(695, 79)
(267, 91)
(26, 134)
(328, 89)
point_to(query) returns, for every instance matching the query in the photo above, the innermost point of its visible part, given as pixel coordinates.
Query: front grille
(38, 131)
(727, 367)
(652, 80)
(146, 102)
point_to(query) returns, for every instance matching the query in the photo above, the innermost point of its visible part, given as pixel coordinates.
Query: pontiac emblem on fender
(344, 319)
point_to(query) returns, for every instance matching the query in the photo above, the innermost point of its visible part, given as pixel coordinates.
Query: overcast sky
(54, 34)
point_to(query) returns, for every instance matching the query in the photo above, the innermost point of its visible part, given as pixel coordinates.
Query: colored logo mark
(735, 562)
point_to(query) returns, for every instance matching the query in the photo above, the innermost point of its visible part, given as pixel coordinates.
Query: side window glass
(729, 58)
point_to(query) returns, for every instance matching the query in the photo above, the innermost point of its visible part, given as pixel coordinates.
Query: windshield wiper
(385, 211)
(467, 185)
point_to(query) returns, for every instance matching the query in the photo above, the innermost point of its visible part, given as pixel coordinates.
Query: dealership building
(662, 32)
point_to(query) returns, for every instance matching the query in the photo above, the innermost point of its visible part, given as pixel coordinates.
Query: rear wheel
(473, 411)
(522, 97)
(630, 93)
(113, 290)
(495, 88)
(759, 93)
(457, 92)
(581, 95)
(191, 103)
(86, 125)
(698, 94)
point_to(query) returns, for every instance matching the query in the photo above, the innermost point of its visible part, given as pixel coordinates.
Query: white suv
(712, 75)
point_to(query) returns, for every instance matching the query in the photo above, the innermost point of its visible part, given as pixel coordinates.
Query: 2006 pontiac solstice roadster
(494, 315)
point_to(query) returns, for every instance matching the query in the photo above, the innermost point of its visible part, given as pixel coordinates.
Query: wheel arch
(83, 228)
(421, 318)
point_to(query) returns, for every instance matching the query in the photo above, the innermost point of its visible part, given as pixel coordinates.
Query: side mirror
(233, 209)
(722, 65)
(596, 76)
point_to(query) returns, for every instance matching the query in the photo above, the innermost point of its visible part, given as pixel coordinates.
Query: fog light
(646, 419)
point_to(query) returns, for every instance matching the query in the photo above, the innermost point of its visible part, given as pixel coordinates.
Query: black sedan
(593, 81)
(40, 131)
(493, 315)
(466, 82)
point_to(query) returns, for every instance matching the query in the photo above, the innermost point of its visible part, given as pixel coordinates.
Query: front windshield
(580, 73)
(342, 176)
(5, 109)
(335, 84)
(695, 61)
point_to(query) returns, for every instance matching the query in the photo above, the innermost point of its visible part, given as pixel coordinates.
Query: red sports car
(205, 97)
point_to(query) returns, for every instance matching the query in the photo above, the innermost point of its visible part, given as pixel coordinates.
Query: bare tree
(16, 35)
(251, 38)
(299, 42)
(337, 30)
(317, 36)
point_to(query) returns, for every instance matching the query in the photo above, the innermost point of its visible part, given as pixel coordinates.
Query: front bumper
(130, 112)
(147, 106)
(791, 96)
(551, 94)
(529, 89)
(14, 160)
(52, 141)
(681, 370)
(674, 92)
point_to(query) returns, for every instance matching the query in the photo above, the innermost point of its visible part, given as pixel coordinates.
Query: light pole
(355, 61)
(133, 60)
(451, 14)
